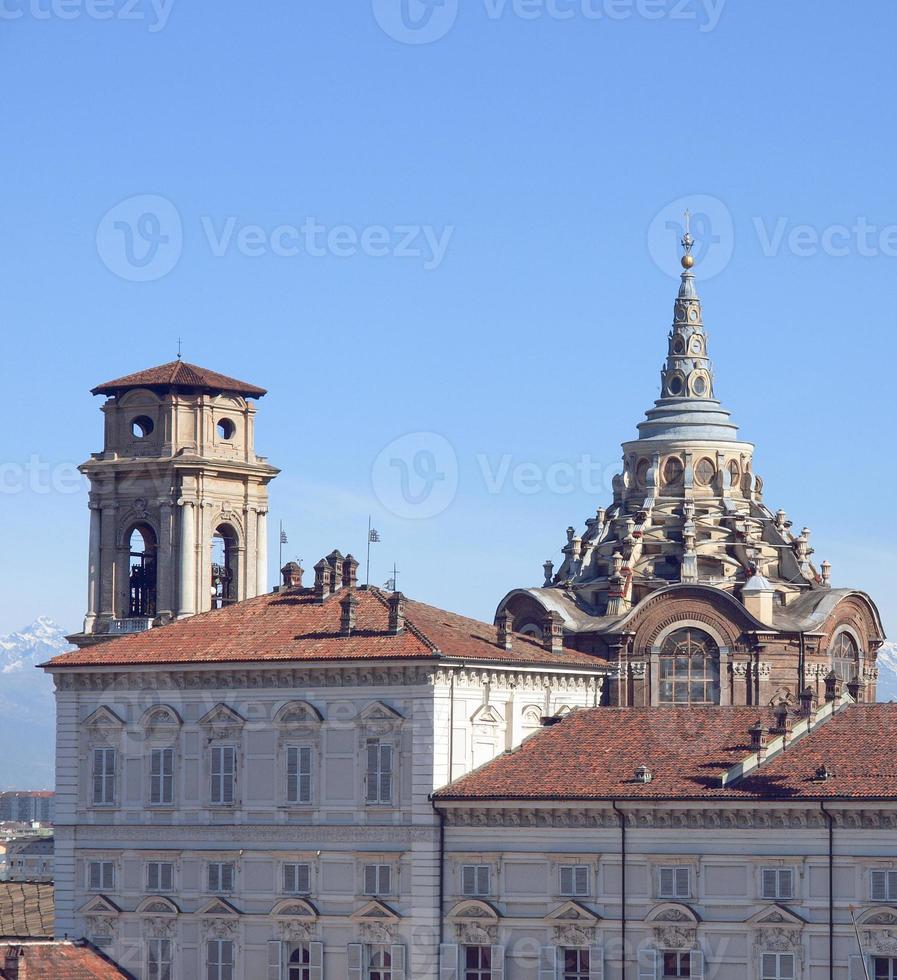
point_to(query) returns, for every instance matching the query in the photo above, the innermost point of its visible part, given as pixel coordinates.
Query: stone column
(187, 603)
(107, 584)
(93, 568)
(261, 575)
(165, 604)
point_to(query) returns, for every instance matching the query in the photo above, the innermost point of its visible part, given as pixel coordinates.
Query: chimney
(323, 579)
(335, 560)
(504, 622)
(396, 613)
(349, 607)
(291, 574)
(857, 689)
(831, 686)
(808, 702)
(350, 572)
(11, 962)
(758, 739)
(553, 632)
(784, 721)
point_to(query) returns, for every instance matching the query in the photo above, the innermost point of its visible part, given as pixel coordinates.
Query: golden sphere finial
(688, 261)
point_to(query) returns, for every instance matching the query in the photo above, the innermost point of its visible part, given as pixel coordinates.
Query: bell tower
(178, 500)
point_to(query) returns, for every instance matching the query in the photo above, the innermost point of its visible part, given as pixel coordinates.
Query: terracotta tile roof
(179, 374)
(60, 961)
(26, 910)
(292, 626)
(593, 755)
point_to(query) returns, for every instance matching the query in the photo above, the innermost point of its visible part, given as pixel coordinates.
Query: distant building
(29, 859)
(26, 806)
(35, 959)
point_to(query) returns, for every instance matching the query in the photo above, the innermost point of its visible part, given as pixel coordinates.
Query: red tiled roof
(593, 755)
(26, 909)
(61, 961)
(179, 374)
(293, 626)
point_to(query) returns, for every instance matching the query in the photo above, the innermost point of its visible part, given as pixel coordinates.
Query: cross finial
(688, 243)
(179, 348)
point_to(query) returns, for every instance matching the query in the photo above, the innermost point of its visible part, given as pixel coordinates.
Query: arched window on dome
(689, 668)
(845, 657)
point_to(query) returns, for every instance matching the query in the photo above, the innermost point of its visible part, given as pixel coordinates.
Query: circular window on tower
(226, 429)
(678, 346)
(142, 426)
(672, 471)
(693, 314)
(676, 385)
(680, 312)
(705, 471)
(734, 473)
(641, 472)
(696, 346)
(699, 385)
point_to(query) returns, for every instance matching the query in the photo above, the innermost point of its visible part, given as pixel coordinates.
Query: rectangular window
(379, 963)
(224, 775)
(219, 959)
(162, 777)
(379, 772)
(884, 968)
(160, 876)
(883, 886)
(377, 879)
(574, 880)
(100, 876)
(778, 883)
(297, 879)
(674, 883)
(477, 962)
(221, 877)
(575, 964)
(777, 966)
(299, 963)
(299, 774)
(103, 777)
(158, 959)
(676, 964)
(475, 879)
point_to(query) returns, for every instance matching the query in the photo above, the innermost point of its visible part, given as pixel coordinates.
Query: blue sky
(466, 238)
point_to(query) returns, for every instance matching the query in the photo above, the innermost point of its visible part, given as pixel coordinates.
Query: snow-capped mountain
(887, 672)
(27, 707)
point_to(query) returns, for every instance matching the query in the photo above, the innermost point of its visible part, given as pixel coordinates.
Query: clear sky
(407, 218)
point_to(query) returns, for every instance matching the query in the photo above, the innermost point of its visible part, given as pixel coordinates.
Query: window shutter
(370, 879)
(683, 881)
(384, 885)
(498, 962)
(227, 878)
(879, 886)
(316, 961)
(275, 959)
(304, 787)
(483, 880)
(666, 883)
(397, 959)
(786, 883)
(696, 958)
(385, 773)
(448, 961)
(372, 790)
(289, 878)
(647, 964)
(769, 883)
(93, 876)
(354, 960)
(230, 760)
(292, 775)
(303, 878)
(108, 875)
(892, 885)
(857, 969)
(468, 880)
(548, 962)
(582, 880)
(566, 880)
(596, 963)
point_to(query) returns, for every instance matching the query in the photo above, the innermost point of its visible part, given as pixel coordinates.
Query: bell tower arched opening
(225, 566)
(142, 572)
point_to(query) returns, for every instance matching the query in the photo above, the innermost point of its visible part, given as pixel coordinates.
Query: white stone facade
(181, 819)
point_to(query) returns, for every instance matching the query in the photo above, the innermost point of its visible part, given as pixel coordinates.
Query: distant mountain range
(27, 706)
(28, 709)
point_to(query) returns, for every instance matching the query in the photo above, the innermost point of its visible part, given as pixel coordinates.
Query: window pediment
(297, 714)
(104, 719)
(158, 906)
(161, 717)
(295, 908)
(474, 910)
(672, 912)
(487, 714)
(219, 908)
(99, 905)
(375, 911)
(878, 915)
(776, 915)
(571, 913)
(223, 721)
(378, 711)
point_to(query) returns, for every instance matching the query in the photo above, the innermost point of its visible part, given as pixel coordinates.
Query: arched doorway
(225, 550)
(142, 548)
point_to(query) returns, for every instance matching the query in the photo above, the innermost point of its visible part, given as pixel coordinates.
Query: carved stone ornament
(675, 937)
(296, 930)
(573, 936)
(163, 927)
(476, 934)
(101, 925)
(223, 928)
(881, 941)
(378, 933)
(639, 668)
(778, 940)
